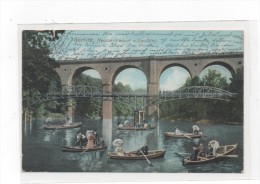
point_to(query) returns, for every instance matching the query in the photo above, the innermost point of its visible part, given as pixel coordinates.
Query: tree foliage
(214, 110)
(38, 74)
(88, 107)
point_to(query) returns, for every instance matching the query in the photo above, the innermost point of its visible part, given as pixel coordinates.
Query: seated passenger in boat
(209, 150)
(119, 151)
(177, 131)
(201, 150)
(195, 153)
(91, 141)
(196, 129)
(102, 144)
(96, 138)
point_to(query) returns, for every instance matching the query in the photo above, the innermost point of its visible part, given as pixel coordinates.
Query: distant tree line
(208, 109)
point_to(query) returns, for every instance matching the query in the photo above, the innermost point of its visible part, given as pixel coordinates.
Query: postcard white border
(10, 160)
(220, 25)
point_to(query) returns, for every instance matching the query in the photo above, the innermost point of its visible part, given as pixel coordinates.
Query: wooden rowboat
(222, 152)
(132, 155)
(63, 126)
(137, 128)
(185, 135)
(77, 149)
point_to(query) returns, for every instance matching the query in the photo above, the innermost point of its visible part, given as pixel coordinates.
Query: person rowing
(80, 137)
(144, 149)
(195, 153)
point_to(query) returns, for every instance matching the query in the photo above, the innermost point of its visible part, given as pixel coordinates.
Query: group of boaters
(200, 150)
(92, 139)
(195, 130)
(128, 123)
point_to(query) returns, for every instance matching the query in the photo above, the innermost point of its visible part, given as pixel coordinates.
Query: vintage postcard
(132, 99)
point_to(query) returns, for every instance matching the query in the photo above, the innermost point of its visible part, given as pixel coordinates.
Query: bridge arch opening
(173, 77)
(216, 75)
(128, 80)
(87, 107)
(130, 77)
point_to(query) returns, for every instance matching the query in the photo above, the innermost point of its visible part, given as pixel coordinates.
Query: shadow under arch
(79, 71)
(220, 63)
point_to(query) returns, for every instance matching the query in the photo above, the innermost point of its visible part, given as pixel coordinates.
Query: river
(41, 149)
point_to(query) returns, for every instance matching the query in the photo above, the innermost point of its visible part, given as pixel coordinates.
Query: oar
(58, 127)
(182, 154)
(186, 136)
(146, 158)
(84, 151)
(227, 156)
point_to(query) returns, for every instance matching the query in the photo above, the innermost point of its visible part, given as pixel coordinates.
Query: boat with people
(196, 133)
(182, 135)
(222, 152)
(133, 155)
(61, 126)
(83, 149)
(137, 128)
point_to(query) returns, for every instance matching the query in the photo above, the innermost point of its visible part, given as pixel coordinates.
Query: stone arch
(173, 65)
(167, 67)
(79, 70)
(220, 63)
(120, 69)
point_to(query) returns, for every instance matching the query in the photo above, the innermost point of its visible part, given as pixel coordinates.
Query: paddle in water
(84, 151)
(186, 136)
(150, 163)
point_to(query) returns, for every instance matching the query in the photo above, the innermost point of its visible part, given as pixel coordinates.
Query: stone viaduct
(151, 66)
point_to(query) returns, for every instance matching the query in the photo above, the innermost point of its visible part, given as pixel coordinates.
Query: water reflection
(107, 132)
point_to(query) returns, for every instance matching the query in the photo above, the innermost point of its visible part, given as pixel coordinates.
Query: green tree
(121, 109)
(88, 106)
(237, 102)
(37, 68)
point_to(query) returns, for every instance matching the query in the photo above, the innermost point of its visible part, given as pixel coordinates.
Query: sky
(98, 44)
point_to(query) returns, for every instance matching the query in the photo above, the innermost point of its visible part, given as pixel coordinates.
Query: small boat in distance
(222, 152)
(61, 126)
(132, 155)
(137, 128)
(183, 135)
(78, 149)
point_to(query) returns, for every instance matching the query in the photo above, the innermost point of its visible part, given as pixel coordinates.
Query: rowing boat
(221, 153)
(77, 149)
(63, 126)
(137, 128)
(184, 135)
(132, 155)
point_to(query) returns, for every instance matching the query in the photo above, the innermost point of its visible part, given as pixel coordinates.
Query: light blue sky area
(93, 44)
(74, 45)
(171, 79)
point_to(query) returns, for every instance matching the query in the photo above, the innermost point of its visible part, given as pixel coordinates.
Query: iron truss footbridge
(139, 100)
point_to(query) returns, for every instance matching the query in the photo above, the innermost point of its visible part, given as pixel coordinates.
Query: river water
(41, 149)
